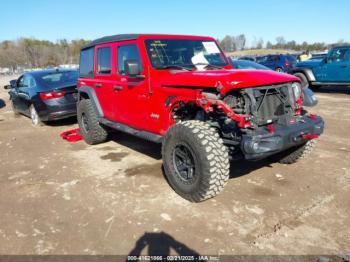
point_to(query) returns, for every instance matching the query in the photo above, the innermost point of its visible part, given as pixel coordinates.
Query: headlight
(296, 90)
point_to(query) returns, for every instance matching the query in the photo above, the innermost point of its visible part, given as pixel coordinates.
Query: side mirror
(325, 60)
(132, 68)
(310, 99)
(13, 83)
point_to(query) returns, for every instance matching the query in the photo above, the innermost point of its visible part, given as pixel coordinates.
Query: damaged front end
(260, 121)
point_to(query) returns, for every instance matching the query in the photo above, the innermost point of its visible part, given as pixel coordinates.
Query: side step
(126, 129)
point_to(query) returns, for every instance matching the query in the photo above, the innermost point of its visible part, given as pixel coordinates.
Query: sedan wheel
(34, 116)
(15, 112)
(278, 69)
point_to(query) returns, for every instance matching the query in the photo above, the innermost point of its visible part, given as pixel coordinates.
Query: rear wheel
(303, 80)
(294, 154)
(196, 162)
(36, 121)
(90, 128)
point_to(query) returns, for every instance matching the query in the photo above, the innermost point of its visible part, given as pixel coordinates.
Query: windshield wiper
(175, 67)
(209, 65)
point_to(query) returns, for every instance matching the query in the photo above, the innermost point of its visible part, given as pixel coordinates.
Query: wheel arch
(86, 92)
(306, 71)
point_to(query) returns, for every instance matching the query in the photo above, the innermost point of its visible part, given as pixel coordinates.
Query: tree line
(236, 43)
(33, 53)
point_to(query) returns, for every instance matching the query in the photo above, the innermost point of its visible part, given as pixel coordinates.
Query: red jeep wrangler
(181, 91)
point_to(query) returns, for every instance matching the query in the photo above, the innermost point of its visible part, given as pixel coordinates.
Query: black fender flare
(90, 92)
(306, 71)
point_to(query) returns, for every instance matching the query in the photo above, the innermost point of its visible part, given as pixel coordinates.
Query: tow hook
(310, 136)
(303, 136)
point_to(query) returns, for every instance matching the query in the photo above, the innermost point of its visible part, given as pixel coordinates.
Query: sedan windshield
(184, 54)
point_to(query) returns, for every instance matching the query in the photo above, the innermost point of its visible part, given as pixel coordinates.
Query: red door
(103, 81)
(131, 94)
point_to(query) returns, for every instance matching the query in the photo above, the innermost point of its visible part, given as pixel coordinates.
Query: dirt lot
(69, 198)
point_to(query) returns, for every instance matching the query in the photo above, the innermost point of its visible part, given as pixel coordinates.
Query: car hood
(228, 79)
(309, 63)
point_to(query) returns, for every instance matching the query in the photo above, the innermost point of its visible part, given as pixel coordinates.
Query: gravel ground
(70, 198)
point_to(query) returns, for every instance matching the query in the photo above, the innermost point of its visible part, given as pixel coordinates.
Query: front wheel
(196, 162)
(294, 154)
(303, 80)
(14, 110)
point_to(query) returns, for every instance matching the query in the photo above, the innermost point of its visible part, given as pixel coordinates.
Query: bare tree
(260, 44)
(240, 41)
(280, 41)
(228, 44)
(29, 52)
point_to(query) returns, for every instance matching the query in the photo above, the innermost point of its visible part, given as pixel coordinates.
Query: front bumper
(264, 144)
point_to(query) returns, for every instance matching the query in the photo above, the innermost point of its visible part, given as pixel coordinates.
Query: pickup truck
(333, 70)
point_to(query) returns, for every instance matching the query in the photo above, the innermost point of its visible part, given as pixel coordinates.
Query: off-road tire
(210, 157)
(303, 80)
(292, 155)
(34, 116)
(91, 130)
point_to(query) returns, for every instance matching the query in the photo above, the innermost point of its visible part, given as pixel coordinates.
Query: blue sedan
(45, 95)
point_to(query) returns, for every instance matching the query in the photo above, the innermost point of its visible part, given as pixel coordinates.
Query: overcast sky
(312, 20)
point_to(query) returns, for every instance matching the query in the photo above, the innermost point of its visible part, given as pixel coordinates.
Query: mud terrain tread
(301, 152)
(303, 79)
(215, 171)
(96, 134)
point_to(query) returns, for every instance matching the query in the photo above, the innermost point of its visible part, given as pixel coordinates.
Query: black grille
(270, 104)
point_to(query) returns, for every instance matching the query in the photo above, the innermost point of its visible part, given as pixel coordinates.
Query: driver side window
(338, 55)
(26, 81)
(20, 82)
(127, 52)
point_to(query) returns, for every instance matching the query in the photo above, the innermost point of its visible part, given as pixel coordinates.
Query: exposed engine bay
(260, 106)
(257, 121)
(265, 105)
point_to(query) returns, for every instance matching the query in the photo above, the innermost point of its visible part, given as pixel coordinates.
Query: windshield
(167, 53)
(59, 78)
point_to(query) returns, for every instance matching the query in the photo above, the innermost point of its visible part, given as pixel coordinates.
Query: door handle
(98, 85)
(344, 66)
(117, 88)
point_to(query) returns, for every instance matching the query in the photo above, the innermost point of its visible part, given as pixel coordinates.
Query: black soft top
(111, 38)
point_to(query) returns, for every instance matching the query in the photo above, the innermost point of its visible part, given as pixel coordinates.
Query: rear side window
(127, 52)
(86, 67)
(104, 60)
